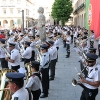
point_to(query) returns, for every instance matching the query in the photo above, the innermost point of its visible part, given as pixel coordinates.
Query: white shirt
(93, 76)
(38, 42)
(56, 43)
(33, 45)
(44, 61)
(75, 34)
(53, 53)
(27, 53)
(2, 53)
(99, 41)
(33, 83)
(69, 39)
(16, 57)
(92, 37)
(22, 94)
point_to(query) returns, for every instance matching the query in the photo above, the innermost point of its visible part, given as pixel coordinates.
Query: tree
(61, 10)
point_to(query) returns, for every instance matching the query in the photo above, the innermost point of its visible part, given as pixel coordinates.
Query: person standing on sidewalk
(44, 70)
(53, 59)
(68, 42)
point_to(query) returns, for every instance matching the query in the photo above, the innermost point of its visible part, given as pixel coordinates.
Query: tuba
(29, 72)
(5, 93)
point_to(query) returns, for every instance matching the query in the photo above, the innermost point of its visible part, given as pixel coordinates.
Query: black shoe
(67, 56)
(50, 79)
(43, 96)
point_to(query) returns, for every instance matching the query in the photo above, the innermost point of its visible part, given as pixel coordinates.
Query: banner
(87, 14)
(95, 17)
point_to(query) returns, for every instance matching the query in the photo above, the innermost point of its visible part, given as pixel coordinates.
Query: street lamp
(22, 21)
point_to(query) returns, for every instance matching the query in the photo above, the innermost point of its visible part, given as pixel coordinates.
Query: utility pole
(22, 21)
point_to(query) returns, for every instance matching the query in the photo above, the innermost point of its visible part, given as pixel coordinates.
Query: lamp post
(22, 21)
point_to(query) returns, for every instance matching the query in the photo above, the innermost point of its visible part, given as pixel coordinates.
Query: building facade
(11, 13)
(79, 13)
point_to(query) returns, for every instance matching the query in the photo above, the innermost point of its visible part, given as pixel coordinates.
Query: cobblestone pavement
(61, 88)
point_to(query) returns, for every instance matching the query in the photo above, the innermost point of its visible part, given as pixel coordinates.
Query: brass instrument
(6, 51)
(29, 72)
(80, 75)
(5, 93)
(38, 56)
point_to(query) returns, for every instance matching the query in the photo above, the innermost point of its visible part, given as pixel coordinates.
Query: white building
(11, 15)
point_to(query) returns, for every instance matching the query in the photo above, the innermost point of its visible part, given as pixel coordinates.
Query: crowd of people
(42, 57)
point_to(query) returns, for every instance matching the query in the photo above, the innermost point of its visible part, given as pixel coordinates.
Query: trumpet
(80, 75)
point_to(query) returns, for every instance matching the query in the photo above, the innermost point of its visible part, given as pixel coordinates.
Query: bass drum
(5, 93)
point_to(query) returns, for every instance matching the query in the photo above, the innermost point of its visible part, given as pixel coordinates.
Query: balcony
(82, 6)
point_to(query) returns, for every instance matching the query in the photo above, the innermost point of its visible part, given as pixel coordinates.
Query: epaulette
(44, 55)
(15, 98)
(96, 69)
(12, 51)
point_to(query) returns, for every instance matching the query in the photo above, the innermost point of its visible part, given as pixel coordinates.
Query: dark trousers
(52, 68)
(74, 41)
(68, 49)
(91, 44)
(45, 81)
(33, 56)
(26, 61)
(89, 94)
(36, 94)
(4, 63)
(99, 49)
(15, 68)
(57, 52)
(64, 42)
(71, 38)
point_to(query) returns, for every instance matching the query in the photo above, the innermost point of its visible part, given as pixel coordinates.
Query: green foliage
(62, 9)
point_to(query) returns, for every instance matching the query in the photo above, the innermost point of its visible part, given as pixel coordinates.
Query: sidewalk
(61, 88)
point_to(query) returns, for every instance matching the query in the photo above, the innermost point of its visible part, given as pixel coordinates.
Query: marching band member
(4, 63)
(53, 59)
(33, 46)
(92, 81)
(16, 85)
(44, 63)
(27, 54)
(92, 50)
(68, 42)
(92, 39)
(35, 80)
(56, 43)
(15, 57)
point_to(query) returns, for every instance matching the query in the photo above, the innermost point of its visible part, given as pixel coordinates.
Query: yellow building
(79, 13)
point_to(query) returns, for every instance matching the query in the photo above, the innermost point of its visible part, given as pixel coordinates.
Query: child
(35, 80)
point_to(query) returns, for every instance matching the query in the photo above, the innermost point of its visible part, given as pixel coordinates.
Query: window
(27, 12)
(18, 1)
(18, 11)
(11, 1)
(11, 11)
(4, 1)
(4, 11)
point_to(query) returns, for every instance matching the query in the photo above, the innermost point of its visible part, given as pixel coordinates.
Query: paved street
(61, 88)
